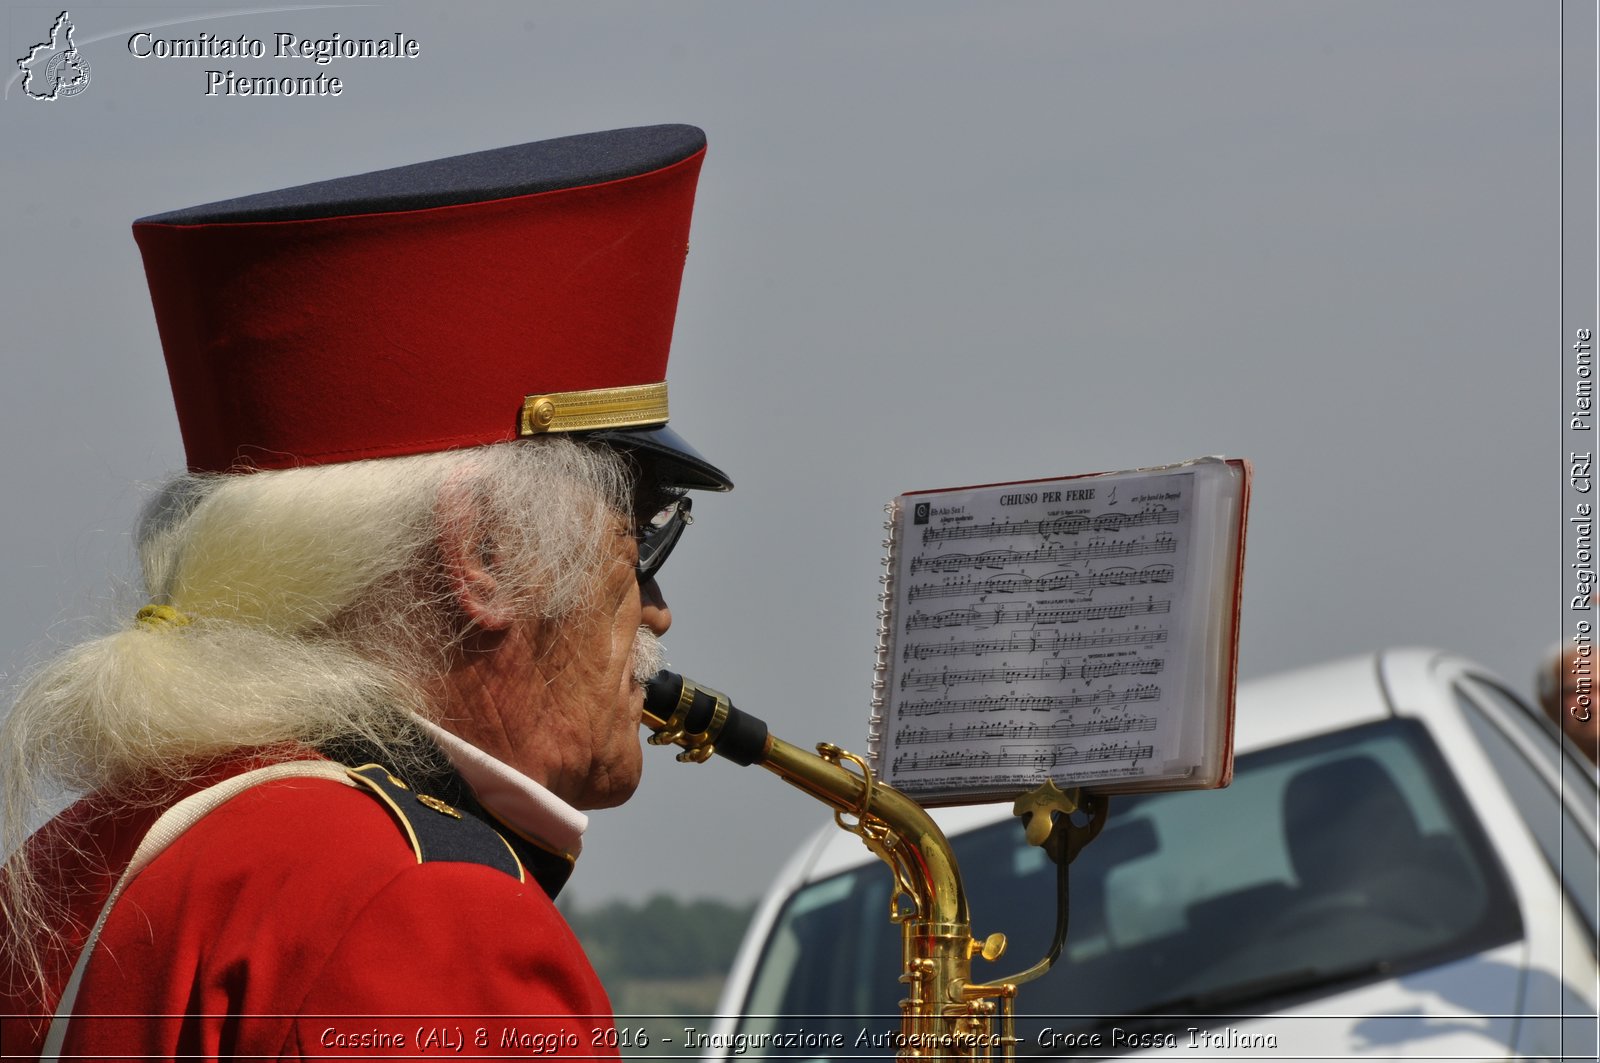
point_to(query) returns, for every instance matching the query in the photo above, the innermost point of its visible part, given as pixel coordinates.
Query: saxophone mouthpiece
(701, 720)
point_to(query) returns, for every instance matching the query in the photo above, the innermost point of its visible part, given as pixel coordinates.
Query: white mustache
(649, 656)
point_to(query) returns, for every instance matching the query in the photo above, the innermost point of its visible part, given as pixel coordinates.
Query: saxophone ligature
(945, 1014)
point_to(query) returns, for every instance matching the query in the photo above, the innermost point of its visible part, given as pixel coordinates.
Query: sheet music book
(1081, 629)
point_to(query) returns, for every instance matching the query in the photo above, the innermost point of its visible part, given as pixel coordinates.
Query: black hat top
(500, 173)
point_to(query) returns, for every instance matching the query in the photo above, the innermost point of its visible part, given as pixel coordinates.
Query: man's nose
(655, 614)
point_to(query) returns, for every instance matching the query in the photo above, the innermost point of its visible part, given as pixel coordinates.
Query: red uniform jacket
(296, 921)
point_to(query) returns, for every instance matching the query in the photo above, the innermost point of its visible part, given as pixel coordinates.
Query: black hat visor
(669, 454)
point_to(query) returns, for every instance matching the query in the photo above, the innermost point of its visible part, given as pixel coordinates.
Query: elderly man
(399, 615)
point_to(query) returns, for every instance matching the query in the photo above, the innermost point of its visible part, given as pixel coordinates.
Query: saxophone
(945, 1013)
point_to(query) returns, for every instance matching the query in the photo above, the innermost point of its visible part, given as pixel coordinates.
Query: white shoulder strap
(167, 829)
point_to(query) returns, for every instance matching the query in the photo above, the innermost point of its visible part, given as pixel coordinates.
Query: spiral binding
(880, 668)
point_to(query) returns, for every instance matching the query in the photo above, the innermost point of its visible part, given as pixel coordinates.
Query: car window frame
(1569, 786)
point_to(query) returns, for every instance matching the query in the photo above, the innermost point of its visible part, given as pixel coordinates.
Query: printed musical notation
(1033, 641)
(995, 615)
(1038, 760)
(1075, 524)
(978, 732)
(1050, 673)
(1105, 697)
(1053, 583)
(1054, 552)
(1058, 631)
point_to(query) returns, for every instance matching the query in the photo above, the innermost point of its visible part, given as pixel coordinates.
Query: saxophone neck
(703, 721)
(895, 827)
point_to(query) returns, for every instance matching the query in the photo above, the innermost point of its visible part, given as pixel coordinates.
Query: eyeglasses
(659, 533)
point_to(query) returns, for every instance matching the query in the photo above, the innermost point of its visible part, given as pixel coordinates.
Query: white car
(1404, 865)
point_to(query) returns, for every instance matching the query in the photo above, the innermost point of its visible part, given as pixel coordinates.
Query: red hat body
(327, 339)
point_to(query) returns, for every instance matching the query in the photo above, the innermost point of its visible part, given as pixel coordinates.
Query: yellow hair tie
(158, 615)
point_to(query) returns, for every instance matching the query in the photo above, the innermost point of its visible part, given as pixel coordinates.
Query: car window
(1537, 734)
(1566, 845)
(1351, 855)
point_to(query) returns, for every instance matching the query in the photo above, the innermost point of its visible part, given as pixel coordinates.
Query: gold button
(438, 805)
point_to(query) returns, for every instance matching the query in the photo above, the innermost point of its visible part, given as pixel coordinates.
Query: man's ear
(471, 560)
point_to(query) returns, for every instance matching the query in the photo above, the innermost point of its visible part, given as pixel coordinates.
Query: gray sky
(934, 244)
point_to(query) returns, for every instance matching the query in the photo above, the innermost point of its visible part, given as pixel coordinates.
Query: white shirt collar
(516, 800)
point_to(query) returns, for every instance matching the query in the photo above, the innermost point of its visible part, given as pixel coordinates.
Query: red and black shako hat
(453, 303)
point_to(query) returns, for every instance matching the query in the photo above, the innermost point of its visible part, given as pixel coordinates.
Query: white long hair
(318, 608)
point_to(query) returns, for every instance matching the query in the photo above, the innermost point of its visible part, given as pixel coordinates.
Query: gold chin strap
(160, 616)
(578, 411)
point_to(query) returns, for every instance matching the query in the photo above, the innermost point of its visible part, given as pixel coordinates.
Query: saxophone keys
(990, 948)
(697, 754)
